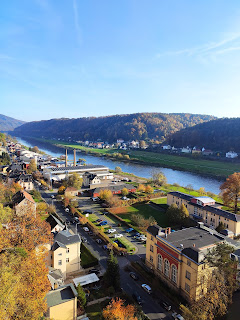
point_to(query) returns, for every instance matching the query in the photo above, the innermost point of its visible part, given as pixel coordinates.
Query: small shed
(87, 279)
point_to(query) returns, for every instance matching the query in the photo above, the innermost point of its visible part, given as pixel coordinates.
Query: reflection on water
(173, 176)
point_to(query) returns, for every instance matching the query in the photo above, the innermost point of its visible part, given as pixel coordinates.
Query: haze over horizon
(77, 59)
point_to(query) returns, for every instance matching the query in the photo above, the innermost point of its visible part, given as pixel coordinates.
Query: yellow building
(65, 252)
(205, 209)
(62, 303)
(178, 257)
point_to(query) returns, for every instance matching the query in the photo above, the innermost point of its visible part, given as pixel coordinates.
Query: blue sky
(80, 58)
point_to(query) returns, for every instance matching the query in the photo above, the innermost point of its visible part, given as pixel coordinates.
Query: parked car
(104, 247)
(134, 276)
(91, 233)
(147, 288)
(111, 230)
(87, 211)
(165, 305)
(52, 196)
(98, 220)
(75, 220)
(177, 316)
(137, 234)
(118, 235)
(84, 239)
(137, 298)
(103, 223)
(67, 221)
(66, 209)
(99, 241)
(129, 230)
(94, 270)
(86, 229)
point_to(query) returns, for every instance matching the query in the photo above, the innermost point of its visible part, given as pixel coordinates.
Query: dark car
(134, 276)
(137, 298)
(87, 211)
(165, 305)
(98, 220)
(93, 271)
(99, 241)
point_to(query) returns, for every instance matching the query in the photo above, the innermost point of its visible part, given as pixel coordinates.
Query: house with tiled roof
(23, 203)
(206, 210)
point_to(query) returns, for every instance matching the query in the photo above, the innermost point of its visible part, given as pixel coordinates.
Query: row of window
(60, 261)
(164, 266)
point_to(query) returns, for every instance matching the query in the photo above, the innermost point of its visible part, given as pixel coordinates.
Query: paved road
(150, 307)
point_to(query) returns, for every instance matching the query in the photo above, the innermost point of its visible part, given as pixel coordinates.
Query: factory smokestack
(66, 158)
(74, 157)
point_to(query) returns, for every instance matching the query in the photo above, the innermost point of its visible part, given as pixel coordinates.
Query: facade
(71, 192)
(65, 252)
(23, 203)
(25, 181)
(90, 180)
(205, 209)
(62, 303)
(178, 258)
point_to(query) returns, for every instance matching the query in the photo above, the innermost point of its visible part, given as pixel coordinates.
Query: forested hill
(132, 126)
(218, 135)
(9, 124)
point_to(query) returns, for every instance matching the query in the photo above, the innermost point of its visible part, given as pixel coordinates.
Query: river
(182, 178)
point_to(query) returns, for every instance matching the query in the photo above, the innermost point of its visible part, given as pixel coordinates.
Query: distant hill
(9, 124)
(140, 126)
(218, 135)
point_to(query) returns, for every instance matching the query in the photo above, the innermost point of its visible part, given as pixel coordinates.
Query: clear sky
(78, 58)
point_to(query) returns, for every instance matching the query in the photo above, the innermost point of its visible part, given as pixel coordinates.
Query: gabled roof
(54, 221)
(57, 245)
(181, 195)
(20, 196)
(61, 295)
(65, 237)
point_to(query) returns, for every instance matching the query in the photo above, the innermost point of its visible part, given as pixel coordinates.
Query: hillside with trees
(139, 126)
(9, 124)
(219, 135)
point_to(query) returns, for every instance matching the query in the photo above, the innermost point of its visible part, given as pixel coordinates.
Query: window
(166, 268)
(189, 263)
(174, 273)
(152, 238)
(151, 248)
(67, 259)
(151, 259)
(159, 266)
(60, 254)
(188, 275)
(187, 287)
(67, 250)
(59, 262)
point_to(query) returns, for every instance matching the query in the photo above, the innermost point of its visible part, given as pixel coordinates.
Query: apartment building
(205, 209)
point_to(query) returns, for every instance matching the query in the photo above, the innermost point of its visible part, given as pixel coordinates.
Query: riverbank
(216, 169)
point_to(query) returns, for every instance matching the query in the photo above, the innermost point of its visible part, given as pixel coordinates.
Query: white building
(231, 155)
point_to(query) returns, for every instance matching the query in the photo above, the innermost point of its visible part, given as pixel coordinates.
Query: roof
(181, 195)
(204, 199)
(20, 196)
(154, 230)
(87, 279)
(61, 295)
(65, 237)
(57, 245)
(187, 238)
(55, 273)
(54, 221)
(69, 189)
(79, 168)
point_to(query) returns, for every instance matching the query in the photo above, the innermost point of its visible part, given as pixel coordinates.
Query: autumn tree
(74, 180)
(202, 191)
(230, 190)
(158, 177)
(149, 189)
(32, 166)
(117, 310)
(118, 169)
(142, 144)
(61, 190)
(124, 192)
(112, 274)
(105, 194)
(5, 214)
(141, 188)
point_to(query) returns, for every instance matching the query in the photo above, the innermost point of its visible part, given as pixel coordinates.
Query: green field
(160, 200)
(147, 211)
(87, 258)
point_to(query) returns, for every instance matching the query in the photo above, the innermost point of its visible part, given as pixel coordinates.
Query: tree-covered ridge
(9, 124)
(219, 135)
(139, 126)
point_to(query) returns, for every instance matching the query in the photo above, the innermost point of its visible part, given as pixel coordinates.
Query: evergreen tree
(112, 275)
(81, 296)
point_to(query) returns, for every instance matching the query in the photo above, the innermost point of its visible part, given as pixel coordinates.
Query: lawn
(87, 258)
(147, 211)
(94, 311)
(160, 200)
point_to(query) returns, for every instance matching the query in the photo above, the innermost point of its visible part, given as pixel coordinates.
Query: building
(25, 181)
(71, 192)
(58, 174)
(205, 209)
(23, 203)
(62, 303)
(55, 278)
(116, 189)
(178, 257)
(55, 224)
(65, 252)
(90, 180)
(231, 155)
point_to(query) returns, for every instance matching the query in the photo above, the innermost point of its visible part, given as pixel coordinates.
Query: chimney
(194, 245)
(66, 159)
(74, 157)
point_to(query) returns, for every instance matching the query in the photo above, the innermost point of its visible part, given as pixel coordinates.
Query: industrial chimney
(74, 157)
(66, 158)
